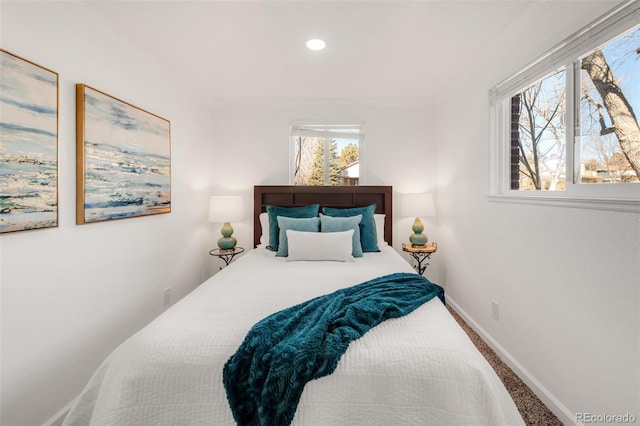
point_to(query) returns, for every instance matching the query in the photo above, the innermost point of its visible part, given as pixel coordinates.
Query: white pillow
(379, 220)
(264, 224)
(335, 246)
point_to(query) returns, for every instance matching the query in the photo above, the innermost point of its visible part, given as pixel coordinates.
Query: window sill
(611, 204)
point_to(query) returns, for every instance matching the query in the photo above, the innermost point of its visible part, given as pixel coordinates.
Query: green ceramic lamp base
(227, 242)
(418, 238)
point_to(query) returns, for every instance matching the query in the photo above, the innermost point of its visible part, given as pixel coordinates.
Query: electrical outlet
(495, 310)
(167, 296)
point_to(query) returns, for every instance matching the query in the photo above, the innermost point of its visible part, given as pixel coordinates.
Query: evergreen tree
(317, 167)
(335, 173)
(349, 154)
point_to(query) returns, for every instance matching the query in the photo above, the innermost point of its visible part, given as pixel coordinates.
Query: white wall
(399, 147)
(567, 280)
(70, 294)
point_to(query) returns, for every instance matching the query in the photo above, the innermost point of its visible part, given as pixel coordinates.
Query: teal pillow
(368, 235)
(274, 211)
(311, 224)
(339, 224)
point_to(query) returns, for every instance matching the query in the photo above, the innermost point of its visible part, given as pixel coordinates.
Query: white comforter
(416, 370)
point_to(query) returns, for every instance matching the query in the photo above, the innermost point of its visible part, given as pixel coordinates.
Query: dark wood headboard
(326, 196)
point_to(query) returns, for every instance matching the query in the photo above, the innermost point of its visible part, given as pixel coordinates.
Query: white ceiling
(375, 49)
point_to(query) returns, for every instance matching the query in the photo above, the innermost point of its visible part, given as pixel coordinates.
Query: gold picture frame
(123, 159)
(28, 145)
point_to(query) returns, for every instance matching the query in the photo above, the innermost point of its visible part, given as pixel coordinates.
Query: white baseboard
(560, 410)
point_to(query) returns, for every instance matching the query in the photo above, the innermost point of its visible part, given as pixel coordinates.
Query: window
(326, 154)
(566, 127)
(538, 135)
(608, 108)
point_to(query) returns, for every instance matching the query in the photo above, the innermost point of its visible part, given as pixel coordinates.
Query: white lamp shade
(417, 205)
(226, 208)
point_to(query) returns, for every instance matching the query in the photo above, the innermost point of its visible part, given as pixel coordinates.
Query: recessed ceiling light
(316, 44)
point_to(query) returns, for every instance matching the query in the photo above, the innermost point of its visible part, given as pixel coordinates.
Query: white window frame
(614, 196)
(327, 130)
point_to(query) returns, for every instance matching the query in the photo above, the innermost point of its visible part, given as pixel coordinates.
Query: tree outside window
(609, 102)
(607, 96)
(326, 155)
(538, 135)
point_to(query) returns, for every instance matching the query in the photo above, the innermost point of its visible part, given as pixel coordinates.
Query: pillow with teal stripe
(275, 211)
(311, 224)
(339, 224)
(368, 235)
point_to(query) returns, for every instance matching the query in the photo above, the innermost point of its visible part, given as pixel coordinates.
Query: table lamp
(226, 209)
(417, 205)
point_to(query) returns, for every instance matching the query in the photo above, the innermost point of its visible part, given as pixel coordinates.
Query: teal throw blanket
(265, 378)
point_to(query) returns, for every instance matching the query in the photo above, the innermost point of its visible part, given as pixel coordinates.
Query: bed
(415, 370)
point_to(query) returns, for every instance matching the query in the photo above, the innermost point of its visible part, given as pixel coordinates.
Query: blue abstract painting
(126, 159)
(28, 145)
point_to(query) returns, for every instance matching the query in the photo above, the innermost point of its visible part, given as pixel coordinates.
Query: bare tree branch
(623, 119)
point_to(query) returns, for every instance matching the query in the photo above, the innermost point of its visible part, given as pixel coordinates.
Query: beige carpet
(533, 411)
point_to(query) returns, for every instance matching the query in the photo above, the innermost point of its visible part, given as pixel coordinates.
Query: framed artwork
(123, 159)
(28, 145)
